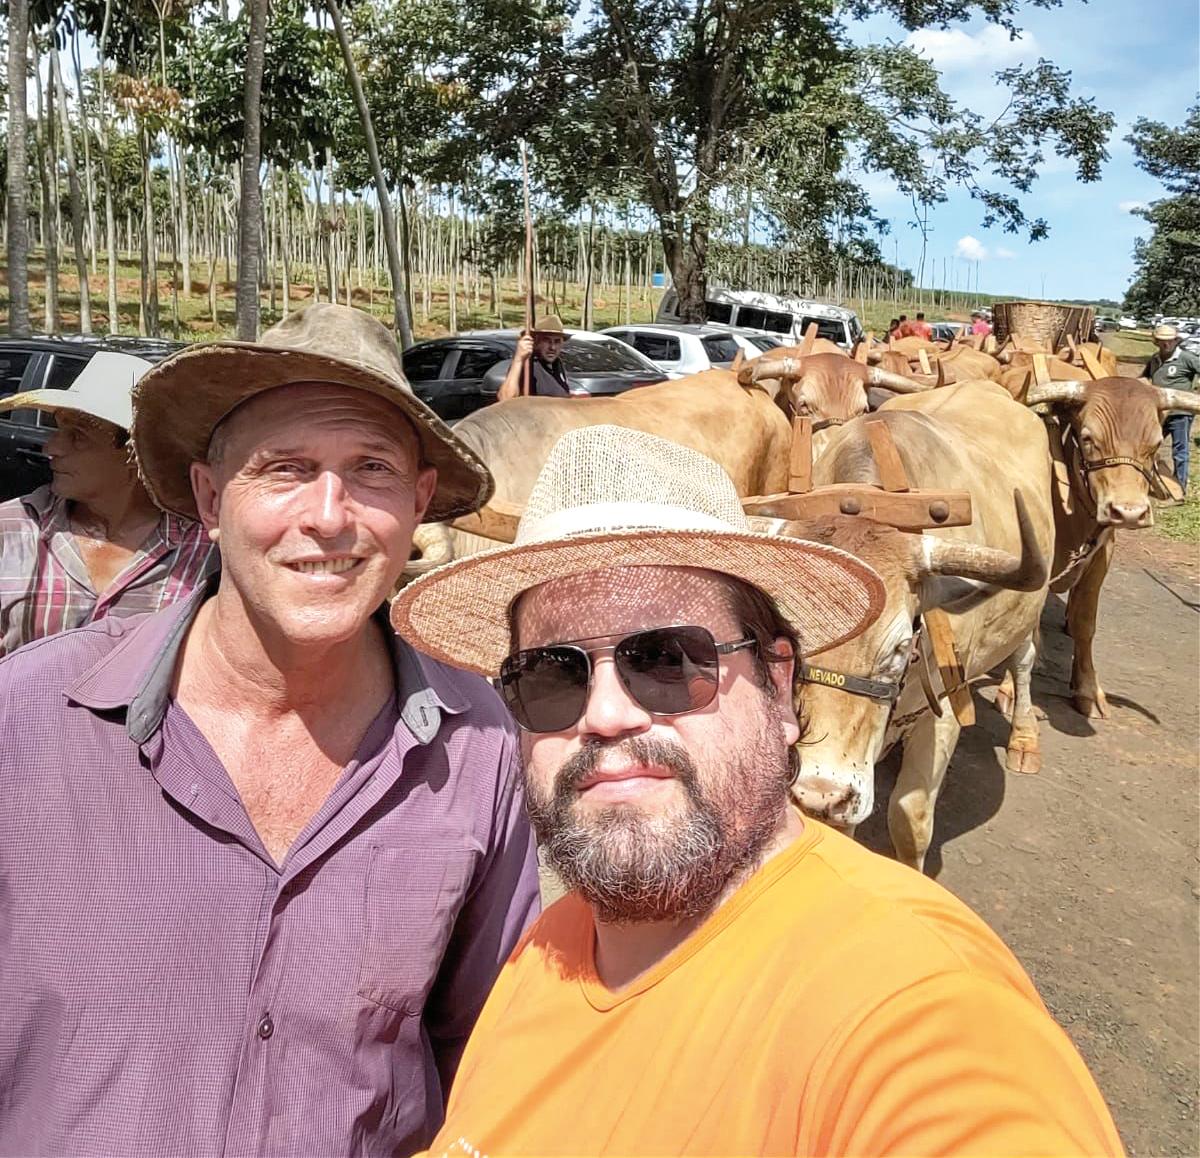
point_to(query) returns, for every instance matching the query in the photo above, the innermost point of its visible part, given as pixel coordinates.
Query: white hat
(1165, 333)
(103, 390)
(609, 496)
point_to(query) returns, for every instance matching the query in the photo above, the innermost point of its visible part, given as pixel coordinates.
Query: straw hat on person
(180, 402)
(1164, 333)
(549, 324)
(609, 496)
(102, 390)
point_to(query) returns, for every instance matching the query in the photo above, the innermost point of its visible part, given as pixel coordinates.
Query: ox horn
(897, 383)
(1188, 400)
(1024, 572)
(1062, 392)
(759, 368)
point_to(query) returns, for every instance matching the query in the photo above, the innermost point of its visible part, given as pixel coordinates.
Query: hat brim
(178, 404)
(53, 401)
(460, 613)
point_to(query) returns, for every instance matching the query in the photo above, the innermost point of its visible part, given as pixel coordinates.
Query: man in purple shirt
(260, 861)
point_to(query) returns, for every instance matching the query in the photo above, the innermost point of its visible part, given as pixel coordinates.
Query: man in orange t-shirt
(725, 977)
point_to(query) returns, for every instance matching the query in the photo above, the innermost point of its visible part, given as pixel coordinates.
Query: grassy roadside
(1182, 523)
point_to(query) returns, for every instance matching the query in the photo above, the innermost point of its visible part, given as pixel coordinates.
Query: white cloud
(1004, 254)
(970, 249)
(991, 48)
(1130, 206)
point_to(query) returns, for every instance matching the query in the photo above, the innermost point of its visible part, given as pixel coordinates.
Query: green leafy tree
(1167, 278)
(696, 107)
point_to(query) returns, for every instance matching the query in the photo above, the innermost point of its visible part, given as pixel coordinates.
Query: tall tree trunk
(77, 217)
(48, 157)
(17, 200)
(88, 170)
(399, 286)
(687, 256)
(110, 218)
(185, 227)
(250, 211)
(149, 271)
(285, 243)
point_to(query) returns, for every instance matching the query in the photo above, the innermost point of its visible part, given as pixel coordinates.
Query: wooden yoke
(893, 502)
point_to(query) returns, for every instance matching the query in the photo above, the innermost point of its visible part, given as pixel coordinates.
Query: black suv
(459, 374)
(48, 364)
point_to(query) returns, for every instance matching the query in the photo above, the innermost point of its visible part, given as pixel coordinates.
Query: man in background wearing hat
(725, 977)
(261, 861)
(547, 376)
(91, 543)
(1177, 368)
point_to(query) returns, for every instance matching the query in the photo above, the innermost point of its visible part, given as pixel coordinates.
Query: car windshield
(763, 342)
(602, 356)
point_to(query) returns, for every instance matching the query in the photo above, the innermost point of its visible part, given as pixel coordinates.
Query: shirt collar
(51, 514)
(138, 673)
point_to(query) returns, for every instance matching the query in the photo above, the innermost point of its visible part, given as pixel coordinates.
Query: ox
(1103, 438)
(865, 696)
(741, 429)
(829, 388)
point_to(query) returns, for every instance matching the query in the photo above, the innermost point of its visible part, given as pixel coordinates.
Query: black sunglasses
(667, 670)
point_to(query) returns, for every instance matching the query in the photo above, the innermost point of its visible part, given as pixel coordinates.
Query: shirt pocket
(412, 900)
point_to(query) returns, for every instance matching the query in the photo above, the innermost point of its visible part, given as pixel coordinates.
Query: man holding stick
(541, 352)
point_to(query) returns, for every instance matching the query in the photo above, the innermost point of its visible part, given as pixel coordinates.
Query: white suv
(680, 350)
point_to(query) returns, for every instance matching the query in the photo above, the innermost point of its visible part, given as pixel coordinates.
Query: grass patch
(1182, 523)
(1130, 345)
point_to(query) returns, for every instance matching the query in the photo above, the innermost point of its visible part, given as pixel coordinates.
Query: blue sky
(1137, 58)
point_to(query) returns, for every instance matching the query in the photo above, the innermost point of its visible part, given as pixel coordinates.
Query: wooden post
(892, 475)
(526, 377)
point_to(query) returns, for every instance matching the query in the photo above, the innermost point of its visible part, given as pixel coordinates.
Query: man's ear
(782, 672)
(422, 493)
(208, 497)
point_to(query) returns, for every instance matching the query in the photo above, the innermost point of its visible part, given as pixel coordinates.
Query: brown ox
(1103, 438)
(829, 388)
(990, 577)
(742, 429)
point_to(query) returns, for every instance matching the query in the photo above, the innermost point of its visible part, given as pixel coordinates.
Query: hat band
(618, 516)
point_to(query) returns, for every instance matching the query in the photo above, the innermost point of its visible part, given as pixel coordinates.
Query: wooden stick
(958, 691)
(892, 475)
(526, 376)
(800, 463)
(1041, 369)
(923, 358)
(1091, 363)
(810, 336)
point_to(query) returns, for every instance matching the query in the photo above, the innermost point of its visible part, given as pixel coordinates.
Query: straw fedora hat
(548, 324)
(102, 390)
(1164, 333)
(609, 496)
(179, 403)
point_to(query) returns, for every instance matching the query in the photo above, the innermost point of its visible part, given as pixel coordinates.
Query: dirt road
(1089, 871)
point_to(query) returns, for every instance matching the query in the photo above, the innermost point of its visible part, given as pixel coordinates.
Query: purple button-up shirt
(165, 989)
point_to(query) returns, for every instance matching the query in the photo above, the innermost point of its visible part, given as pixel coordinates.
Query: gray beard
(634, 867)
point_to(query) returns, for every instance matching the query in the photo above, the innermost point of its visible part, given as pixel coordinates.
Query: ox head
(848, 720)
(1118, 424)
(829, 388)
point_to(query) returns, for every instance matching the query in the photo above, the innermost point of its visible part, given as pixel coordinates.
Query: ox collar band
(855, 685)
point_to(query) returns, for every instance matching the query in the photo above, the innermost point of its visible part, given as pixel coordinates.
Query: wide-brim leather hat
(610, 497)
(178, 404)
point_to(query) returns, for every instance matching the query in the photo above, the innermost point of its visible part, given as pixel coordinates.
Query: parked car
(946, 331)
(681, 349)
(753, 342)
(1127, 323)
(48, 364)
(786, 317)
(459, 374)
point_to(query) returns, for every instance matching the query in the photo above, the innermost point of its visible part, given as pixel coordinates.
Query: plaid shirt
(45, 587)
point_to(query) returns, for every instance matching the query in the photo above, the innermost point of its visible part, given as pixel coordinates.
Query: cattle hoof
(1026, 761)
(1092, 709)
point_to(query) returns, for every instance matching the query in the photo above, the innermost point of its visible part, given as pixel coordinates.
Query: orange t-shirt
(837, 1003)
